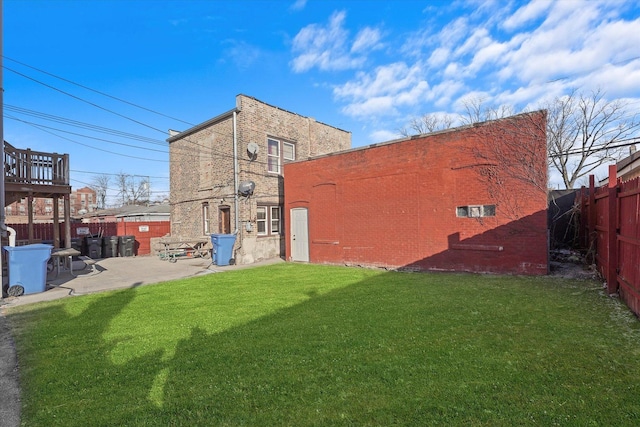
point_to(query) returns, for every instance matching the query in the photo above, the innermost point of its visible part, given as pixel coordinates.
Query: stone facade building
(227, 174)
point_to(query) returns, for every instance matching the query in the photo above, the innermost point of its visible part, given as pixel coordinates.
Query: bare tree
(476, 111)
(428, 123)
(100, 185)
(584, 132)
(132, 191)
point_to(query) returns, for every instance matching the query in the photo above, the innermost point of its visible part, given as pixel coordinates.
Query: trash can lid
(32, 247)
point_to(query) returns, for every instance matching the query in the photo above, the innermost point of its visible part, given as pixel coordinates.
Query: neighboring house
(628, 168)
(465, 199)
(80, 201)
(227, 174)
(83, 200)
(129, 213)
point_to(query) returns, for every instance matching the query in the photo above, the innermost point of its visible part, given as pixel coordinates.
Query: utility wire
(97, 91)
(84, 100)
(83, 125)
(599, 148)
(86, 136)
(86, 145)
(118, 174)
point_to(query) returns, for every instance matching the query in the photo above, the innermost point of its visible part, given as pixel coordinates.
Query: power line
(85, 136)
(209, 150)
(84, 100)
(97, 91)
(598, 148)
(95, 148)
(117, 174)
(83, 125)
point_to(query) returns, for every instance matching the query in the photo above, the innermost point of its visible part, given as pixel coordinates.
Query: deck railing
(34, 167)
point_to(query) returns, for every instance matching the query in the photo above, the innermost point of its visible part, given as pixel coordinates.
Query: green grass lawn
(301, 345)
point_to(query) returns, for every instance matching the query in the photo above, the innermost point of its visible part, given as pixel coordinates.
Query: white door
(299, 235)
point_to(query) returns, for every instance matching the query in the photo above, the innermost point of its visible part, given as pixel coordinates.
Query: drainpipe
(236, 178)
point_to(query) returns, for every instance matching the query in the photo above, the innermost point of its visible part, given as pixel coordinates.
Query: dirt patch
(571, 265)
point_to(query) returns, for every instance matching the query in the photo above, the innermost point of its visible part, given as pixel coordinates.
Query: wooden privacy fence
(44, 231)
(143, 231)
(610, 225)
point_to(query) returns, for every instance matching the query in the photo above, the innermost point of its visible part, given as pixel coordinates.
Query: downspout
(236, 179)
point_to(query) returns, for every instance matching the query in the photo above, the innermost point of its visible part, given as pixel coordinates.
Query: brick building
(227, 173)
(81, 201)
(466, 199)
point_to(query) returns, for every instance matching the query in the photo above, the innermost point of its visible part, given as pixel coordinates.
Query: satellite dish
(252, 150)
(246, 188)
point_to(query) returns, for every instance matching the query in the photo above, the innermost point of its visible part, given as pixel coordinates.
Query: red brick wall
(394, 204)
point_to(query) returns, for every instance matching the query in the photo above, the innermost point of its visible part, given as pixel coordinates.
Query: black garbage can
(93, 247)
(77, 243)
(126, 245)
(109, 246)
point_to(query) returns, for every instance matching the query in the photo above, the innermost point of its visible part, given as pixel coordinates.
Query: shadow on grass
(391, 349)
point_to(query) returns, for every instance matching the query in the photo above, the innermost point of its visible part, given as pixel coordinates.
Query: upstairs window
(279, 152)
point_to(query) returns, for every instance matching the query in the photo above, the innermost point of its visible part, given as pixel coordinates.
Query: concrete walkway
(106, 274)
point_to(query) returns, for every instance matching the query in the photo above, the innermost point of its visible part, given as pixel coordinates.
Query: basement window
(475, 211)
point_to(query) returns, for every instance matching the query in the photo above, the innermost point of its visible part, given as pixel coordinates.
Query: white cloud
(384, 90)
(478, 39)
(368, 38)
(241, 53)
(526, 13)
(439, 57)
(501, 54)
(298, 5)
(383, 135)
(570, 43)
(443, 93)
(325, 47)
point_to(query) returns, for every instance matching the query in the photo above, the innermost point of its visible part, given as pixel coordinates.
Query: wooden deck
(34, 173)
(30, 174)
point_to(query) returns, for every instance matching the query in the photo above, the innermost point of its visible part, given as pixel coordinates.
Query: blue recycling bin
(28, 266)
(223, 248)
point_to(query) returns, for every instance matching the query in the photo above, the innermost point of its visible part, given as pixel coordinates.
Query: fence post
(612, 232)
(582, 238)
(592, 237)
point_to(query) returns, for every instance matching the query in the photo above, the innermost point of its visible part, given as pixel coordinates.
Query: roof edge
(202, 125)
(423, 135)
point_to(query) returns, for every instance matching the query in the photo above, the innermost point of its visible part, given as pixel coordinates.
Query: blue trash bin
(223, 248)
(28, 266)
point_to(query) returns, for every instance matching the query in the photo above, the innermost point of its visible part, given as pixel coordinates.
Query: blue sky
(368, 67)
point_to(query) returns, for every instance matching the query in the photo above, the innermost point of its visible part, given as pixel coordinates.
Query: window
(277, 153)
(275, 219)
(269, 220)
(205, 218)
(475, 211)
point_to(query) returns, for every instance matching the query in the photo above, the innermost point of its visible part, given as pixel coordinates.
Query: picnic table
(58, 257)
(176, 247)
